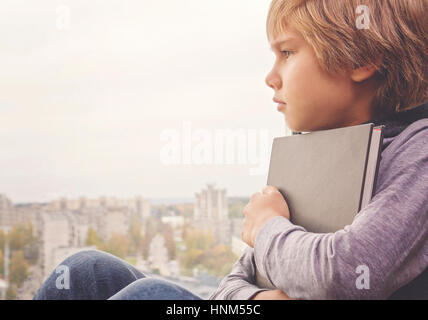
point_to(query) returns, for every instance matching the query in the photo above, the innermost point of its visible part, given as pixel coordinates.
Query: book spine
(365, 166)
(379, 156)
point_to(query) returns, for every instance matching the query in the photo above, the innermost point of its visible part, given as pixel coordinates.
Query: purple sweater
(382, 254)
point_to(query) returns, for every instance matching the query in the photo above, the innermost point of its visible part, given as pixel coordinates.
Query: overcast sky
(83, 104)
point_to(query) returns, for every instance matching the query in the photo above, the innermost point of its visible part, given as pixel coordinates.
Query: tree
(153, 227)
(203, 253)
(136, 238)
(199, 239)
(18, 268)
(21, 238)
(11, 292)
(2, 240)
(93, 239)
(1, 264)
(219, 260)
(16, 237)
(198, 244)
(21, 235)
(191, 258)
(168, 234)
(150, 229)
(117, 245)
(31, 252)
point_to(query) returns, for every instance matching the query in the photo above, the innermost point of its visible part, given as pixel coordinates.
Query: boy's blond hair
(396, 41)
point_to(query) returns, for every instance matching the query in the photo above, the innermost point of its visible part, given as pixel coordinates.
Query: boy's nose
(273, 81)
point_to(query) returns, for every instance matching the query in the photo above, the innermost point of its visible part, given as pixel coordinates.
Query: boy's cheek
(301, 117)
(309, 118)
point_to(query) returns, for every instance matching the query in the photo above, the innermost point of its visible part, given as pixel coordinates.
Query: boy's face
(314, 100)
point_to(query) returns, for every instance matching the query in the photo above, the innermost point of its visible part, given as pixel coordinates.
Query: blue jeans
(97, 275)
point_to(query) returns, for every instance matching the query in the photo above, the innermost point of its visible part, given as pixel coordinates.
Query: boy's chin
(296, 126)
(304, 126)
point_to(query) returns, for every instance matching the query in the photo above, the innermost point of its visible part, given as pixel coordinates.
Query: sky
(89, 88)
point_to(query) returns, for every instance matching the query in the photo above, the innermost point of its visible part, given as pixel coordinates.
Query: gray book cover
(325, 176)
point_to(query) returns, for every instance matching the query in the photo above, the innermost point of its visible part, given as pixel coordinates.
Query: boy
(328, 74)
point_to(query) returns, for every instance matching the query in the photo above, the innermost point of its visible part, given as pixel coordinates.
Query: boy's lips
(278, 101)
(281, 104)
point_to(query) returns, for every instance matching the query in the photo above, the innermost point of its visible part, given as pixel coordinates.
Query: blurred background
(140, 128)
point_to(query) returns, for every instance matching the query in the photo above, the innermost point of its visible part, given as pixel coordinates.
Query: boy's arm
(384, 248)
(238, 285)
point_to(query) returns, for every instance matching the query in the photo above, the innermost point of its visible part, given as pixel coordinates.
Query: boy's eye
(286, 53)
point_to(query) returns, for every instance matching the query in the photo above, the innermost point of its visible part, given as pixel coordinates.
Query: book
(326, 176)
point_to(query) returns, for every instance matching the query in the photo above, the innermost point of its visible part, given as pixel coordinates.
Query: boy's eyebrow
(281, 41)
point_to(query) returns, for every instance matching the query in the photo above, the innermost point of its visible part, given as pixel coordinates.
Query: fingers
(266, 190)
(254, 196)
(269, 189)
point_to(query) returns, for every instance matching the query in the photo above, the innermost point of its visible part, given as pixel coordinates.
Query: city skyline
(158, 200)
(163, 241)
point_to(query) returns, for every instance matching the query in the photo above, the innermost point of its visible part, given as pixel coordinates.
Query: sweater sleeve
(384, 248)
(238, 285)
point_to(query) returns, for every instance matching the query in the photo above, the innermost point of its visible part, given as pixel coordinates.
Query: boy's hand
(271, 295)
(262, 207)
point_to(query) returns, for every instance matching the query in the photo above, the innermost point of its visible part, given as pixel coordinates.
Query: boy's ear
(365, 72)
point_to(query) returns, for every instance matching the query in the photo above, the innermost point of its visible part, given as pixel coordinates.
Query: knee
(101, 265)
(89, 254)
(90, 264)
(76, 271)
(92, 274)
(87, 258)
